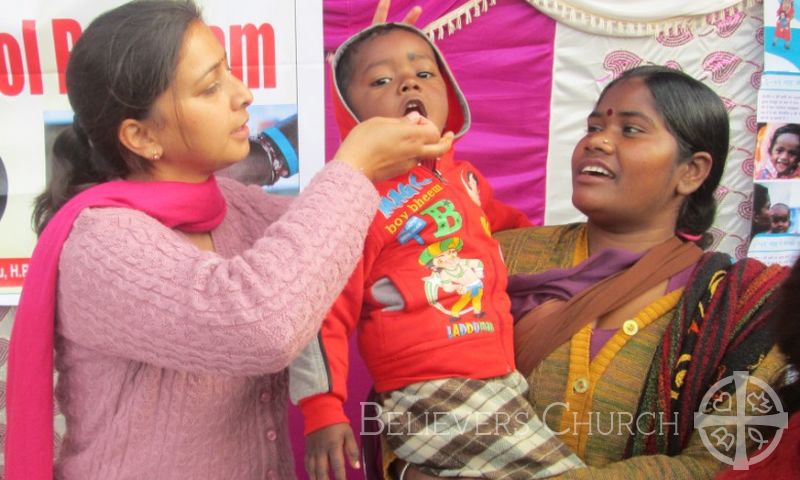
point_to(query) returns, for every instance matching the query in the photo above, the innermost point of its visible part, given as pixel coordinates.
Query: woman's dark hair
(760, 197)
(119, 66)
(697, 118)
(786, 332)
(791, 128)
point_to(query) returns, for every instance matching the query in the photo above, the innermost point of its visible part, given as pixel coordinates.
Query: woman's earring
(156, 155)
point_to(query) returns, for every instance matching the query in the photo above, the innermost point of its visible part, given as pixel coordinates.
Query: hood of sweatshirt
(458, 119)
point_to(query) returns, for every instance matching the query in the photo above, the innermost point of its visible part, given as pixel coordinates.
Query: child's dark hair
(786, 332)
(789, 128)
(781, 206)
(344, 64)
(119, 66)
(697, 118)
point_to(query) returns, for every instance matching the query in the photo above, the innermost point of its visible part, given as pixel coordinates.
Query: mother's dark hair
(697, 118)
(124, 60)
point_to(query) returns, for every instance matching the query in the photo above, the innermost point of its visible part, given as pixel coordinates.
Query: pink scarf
(190, 207)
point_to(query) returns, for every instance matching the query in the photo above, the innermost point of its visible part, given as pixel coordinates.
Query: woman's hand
(383, 148)
(382, 13)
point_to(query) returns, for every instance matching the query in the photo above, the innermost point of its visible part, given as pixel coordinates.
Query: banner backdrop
(273, 46)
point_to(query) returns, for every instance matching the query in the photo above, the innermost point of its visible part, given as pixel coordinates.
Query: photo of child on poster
(777, 151)
(775, 216)
(775, 234)
(780, 53)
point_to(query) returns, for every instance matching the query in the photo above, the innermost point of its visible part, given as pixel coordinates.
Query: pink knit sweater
(171, 360)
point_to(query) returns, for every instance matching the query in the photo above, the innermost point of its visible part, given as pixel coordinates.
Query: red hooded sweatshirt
(428, 298)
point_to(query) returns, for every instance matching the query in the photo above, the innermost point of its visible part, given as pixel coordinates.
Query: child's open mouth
(415, 106)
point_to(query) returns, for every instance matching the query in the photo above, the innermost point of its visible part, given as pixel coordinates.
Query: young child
(784, 153)
(779, 218)
(428, 298)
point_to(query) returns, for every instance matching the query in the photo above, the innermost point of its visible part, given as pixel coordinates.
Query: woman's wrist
(354, 166)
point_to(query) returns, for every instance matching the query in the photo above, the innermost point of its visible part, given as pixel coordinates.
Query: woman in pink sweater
(174, 309)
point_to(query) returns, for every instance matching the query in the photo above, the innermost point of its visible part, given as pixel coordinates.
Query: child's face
(785, 152)
(779, 220)
(394, 74)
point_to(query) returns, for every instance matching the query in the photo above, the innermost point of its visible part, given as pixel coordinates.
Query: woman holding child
(624, 323)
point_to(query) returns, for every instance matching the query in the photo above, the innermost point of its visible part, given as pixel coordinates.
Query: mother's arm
(693, 463)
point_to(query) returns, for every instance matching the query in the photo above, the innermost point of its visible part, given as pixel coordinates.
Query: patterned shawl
(719, 327)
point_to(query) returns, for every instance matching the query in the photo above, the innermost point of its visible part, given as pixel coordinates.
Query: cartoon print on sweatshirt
(452, 273)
